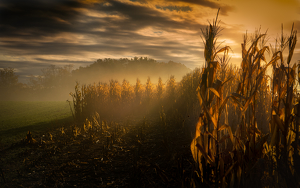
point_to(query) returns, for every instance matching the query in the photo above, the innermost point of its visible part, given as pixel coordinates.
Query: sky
(37, 33)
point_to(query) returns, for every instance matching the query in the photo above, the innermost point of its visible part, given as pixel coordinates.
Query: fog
(56, 83)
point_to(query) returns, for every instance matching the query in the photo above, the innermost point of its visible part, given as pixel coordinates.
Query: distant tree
(8, 78)
(125, 68)
(35, 82)
(52, 77)
(10, 88)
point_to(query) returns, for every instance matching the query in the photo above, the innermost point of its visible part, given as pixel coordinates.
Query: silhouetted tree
(8, 84)
(8, 78)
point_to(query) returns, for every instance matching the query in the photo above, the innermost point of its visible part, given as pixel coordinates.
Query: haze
(35, 34)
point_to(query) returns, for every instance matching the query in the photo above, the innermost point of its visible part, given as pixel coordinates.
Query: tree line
(56, 82)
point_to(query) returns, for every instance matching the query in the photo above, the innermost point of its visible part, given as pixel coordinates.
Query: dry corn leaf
(299, 72)
(279, 122)
(212, 69)
(205, 142)
(223, 105)
(241, 97)
(198, 127)
(274, 136)
(223, 127)
(214, 121)
(223, 138)
(224, 49)
(260, 143)
(291, 136)
(214, 91)
(292, 44)
(230, 169)
(229, 131)
(256, 130)
(199, 98)
(211, 135)
(209, 160)
(195, 152)
(235, 101)
(245, 107)
(239, 88)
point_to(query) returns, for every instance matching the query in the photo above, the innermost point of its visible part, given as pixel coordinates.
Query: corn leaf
(228, 79)
(199, 98)
(205, 155)
(236, 101)
(256, 130)
(223, 127)
(279, 122)
(245, 107)
(229, 131)
(223, 138)
(223, 104)
(274, 137)
(229, 170)
(214, 91)
(214, 121)
(238, 96)
(224, 49)
(195, 152)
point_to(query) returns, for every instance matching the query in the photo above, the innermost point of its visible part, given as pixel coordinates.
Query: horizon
(37, 34)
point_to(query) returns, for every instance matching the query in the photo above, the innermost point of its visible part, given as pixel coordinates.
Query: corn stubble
(249, 156)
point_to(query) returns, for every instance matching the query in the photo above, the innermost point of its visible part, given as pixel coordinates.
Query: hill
(55, 83)
(104, 70)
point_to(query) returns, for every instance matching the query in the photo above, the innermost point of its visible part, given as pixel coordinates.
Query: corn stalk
(284, 125)
(205, 146)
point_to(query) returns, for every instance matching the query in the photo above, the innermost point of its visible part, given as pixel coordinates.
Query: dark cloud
(224, 9)
(37, 18)
(36, 27)
(175, 8)
(37, 21)
(138, 16)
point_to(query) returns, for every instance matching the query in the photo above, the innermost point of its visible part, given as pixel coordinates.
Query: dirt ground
(141, 154)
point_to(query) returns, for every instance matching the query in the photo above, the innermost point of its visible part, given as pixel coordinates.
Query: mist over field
(141, 68)
(56, 83)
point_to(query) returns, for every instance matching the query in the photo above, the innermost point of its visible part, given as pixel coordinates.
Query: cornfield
(250, 156)
(246, 122)
(119, 101)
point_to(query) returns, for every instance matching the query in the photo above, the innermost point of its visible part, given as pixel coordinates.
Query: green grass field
(18, 117)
